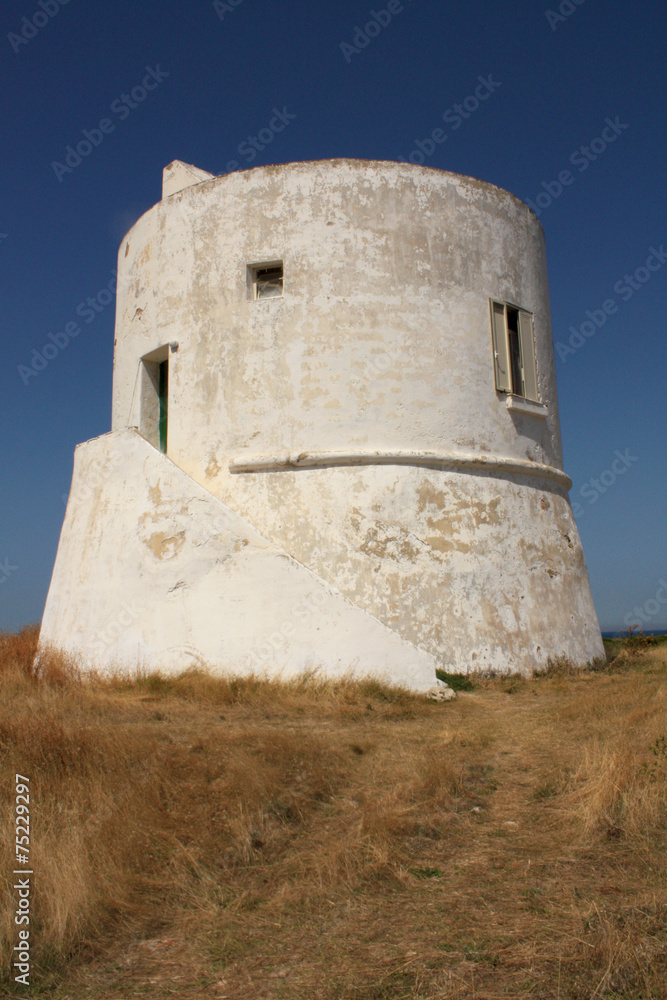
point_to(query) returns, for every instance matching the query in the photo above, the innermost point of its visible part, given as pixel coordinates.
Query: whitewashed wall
(354, 422)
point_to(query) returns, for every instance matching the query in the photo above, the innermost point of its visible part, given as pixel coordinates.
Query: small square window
(266, 280)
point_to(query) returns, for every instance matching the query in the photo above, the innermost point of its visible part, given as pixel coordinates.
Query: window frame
(253, 273)
(154, 397)
(506, 360)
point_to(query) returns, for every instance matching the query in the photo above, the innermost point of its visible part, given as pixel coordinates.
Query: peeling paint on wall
(353, 420)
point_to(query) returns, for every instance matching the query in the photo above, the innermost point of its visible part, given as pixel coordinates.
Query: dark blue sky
(217, 75)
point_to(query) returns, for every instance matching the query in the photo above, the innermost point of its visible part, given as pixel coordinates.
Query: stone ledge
(517, 404)
(451, 460)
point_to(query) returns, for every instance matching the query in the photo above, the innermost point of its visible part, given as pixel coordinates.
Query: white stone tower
(335, 436)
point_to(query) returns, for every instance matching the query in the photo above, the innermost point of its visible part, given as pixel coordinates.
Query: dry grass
(203, 837)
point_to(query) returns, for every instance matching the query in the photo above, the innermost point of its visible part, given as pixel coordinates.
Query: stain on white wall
(352, 417)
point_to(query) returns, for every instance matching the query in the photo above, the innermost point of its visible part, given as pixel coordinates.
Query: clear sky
(570, 114)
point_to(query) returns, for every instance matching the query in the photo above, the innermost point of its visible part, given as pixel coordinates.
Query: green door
(163, 395)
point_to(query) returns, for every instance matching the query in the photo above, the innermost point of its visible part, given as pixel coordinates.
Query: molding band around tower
(446, 460)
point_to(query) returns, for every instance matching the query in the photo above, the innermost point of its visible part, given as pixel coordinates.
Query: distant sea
(616, 635)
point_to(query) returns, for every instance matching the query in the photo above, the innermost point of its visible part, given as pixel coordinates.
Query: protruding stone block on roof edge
(178, 176)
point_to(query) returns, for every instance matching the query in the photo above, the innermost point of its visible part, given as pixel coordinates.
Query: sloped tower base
(155, 572)
(350, 366)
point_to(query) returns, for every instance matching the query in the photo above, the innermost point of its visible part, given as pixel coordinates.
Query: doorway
(154, 410)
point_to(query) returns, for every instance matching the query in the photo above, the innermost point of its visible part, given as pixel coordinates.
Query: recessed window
(514, 350)
(154, 411)
(163, 403)
(266, 280)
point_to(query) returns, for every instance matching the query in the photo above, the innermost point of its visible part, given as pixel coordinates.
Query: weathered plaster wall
(380, 347)
(484, 572)
(154, 571)
(382, 338)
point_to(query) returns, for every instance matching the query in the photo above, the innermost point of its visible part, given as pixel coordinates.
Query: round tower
(356, 358)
